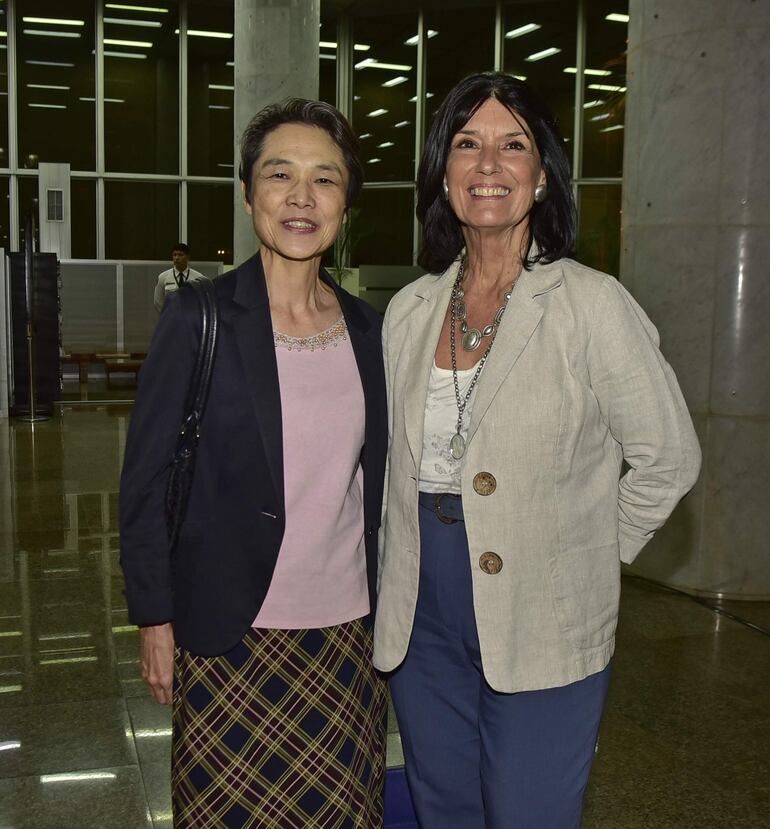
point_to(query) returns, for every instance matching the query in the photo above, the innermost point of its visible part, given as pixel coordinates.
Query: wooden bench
(121, 364)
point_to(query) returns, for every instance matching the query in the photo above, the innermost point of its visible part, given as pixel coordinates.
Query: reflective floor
(684, 742)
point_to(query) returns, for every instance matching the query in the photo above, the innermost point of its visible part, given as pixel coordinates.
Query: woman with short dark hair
(519, 382)
(262, 614)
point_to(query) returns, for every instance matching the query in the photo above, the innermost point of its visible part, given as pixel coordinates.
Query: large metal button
(484, 483)
(490, 563)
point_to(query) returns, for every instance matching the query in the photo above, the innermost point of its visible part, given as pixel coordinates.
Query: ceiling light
(545, 53)
(615, 17)
(218, 106)
(7, 745)
(324, 56)
(522, 30)
(396, 81)
(376, 113)
(127, 8)
(601, 117)
(47, 106)
(44, 33)
(591, 104)
(371, 63)
(330, 44)
(613, 128)
(603, 87)
(412, 41)
(133, 55)
(402, 124)
(427, 95)
(365, 135)
(120, 21)
(77, 776)
(106, 101)
(571, 70)
(223, 86)
(53, 21)
(373, 160)
(47, 86)
(385, 144)
(230, 63)
(139, 44)
(50, 63)
(201, 33)
(520, 77)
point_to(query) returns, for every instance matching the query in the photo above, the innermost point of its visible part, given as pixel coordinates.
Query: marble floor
(684, 741)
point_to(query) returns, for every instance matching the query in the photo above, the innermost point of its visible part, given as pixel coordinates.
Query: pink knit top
(320, 577)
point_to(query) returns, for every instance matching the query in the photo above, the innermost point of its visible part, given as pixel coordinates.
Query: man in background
(175, 276)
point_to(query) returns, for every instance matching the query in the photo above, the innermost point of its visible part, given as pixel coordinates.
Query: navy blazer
(216, 582)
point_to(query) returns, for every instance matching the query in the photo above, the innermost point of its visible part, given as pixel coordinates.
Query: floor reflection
(684, 742)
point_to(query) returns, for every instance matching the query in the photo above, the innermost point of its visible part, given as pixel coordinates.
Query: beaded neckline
(332, 336)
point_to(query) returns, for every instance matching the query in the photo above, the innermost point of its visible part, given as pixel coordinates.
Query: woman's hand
(157, 657)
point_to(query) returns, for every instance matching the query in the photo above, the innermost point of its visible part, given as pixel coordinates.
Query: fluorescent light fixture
(77, 776)
(201, 33)
(365, 135)
(126, 8)
(612, 128)
(522, 30)
(44, 33)
(229, 166)
(374, 160)
(46, 86)
(8, 633)
(330, 44)
(356, 97)
(67, 660)
(603, 116)
(138, 44)
(385, 144)
(324, 56)
(47, 106)
(230, 63)
(591, 104)
(427, 95)
(50, 63)
(222, 86)
(10, 689)
(124, 628)
(414, 39)
(402, 124)
(399, 79)
(7, 745)
(520, 77)
(133, 55)
(158, 732)
(53, 21)
(106, 101)
(616, 17)
(218, 106)
(603, 87)
(375, 113)
(545, 53)
(571, 70)
(121, 21)
(371, 63)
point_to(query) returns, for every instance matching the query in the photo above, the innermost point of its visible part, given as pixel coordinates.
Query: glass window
(83, 213)
(459, 42)
(141, 219)
(210, 222)
(540, 47)
(598, 244)
(382, 227)
(3, 89)
(210, 63)
(384, 84)
(141, 88)
(55, 80)
(604, 101)
(327, 69)
(5, 214)
(28, 202)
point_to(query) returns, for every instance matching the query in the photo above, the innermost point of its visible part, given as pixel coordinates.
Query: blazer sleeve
(150, 444)
(645, 411)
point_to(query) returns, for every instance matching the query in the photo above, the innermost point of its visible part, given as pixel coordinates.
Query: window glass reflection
(55, 83)
(210, 222)
(540, 47)
(327, 61)
(142, 219)
(3, 88)
(28, 203)
(210, 62)
(5, 214)
(141, 88)
(598, 244)
(384, 84)
(604, 101)
(382, 226)
(83, 213)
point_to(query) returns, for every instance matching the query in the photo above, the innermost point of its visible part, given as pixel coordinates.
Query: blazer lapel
(425, 323)
(520, 320)
(254, 336)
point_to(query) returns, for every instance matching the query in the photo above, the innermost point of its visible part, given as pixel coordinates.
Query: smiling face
(299, 185)
(492, 170)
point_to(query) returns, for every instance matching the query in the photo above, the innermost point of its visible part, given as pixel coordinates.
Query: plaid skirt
(285, 731)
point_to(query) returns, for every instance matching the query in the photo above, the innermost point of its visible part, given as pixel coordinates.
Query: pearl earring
(540, 193)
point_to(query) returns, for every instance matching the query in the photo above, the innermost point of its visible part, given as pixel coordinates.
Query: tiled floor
(684, 742)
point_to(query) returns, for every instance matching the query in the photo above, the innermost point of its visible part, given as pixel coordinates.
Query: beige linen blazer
(574, 385)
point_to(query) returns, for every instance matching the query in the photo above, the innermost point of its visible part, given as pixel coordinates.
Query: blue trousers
(477, 758)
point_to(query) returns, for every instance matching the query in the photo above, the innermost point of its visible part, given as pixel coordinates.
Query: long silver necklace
(472, 337)
(457, 442)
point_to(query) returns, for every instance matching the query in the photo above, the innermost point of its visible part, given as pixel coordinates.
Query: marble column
(695, 253)
(276, 57)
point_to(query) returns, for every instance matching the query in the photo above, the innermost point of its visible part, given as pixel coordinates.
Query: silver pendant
(471, 339)
(457, 446)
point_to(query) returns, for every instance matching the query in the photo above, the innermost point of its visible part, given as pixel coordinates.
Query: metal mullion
(580, 64)
(100, 143)
(183, 120)
(499, 37)
(13, 126)
(344, 91)
(419, 125)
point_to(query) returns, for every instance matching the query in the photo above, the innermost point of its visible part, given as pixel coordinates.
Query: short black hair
(181, 246)
(311, 114)
(552, 222)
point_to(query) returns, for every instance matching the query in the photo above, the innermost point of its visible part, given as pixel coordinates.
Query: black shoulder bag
(183, 462)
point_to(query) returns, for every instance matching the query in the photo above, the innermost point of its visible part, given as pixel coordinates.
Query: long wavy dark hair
(551, 222)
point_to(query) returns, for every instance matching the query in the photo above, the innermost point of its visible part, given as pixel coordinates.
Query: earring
(540, 193)
(446, 191)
